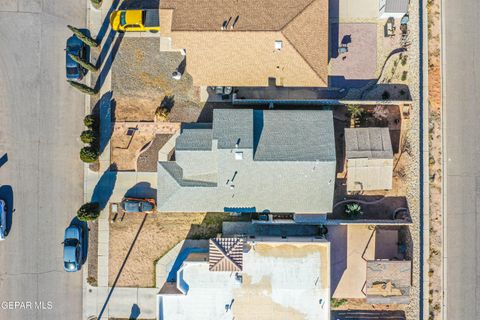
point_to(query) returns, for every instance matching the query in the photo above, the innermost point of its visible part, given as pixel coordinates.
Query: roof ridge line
(297, 15)
(225, 254)
(295, 48)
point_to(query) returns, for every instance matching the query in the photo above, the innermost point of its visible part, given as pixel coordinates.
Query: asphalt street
(41, 176)
(462, 138)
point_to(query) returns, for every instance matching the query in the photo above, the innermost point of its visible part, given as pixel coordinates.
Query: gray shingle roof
(396, 6)
(291, 135)
(288, 179)
(196, 136)
(371, 143)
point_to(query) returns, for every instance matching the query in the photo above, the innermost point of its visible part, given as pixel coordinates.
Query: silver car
(72, 249)
(3, 219)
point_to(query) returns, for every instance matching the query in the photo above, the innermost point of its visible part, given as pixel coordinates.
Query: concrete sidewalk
(105, 186)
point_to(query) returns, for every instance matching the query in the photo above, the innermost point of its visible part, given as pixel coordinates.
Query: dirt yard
(159, 234)
(398, 124)
(435, 160)
(142, 81)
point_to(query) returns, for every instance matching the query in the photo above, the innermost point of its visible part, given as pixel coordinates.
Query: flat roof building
(277, 280)
(252, 161)
(369, 156)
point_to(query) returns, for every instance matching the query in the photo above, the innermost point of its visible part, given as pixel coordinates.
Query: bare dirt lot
(157, 236)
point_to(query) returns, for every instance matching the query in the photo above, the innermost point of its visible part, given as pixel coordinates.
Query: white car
(3, 219)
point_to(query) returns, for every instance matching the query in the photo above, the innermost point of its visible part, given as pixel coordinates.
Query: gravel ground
(141, 79)
(147, 161)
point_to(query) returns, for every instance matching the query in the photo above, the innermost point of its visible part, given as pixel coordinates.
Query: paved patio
(357, 66)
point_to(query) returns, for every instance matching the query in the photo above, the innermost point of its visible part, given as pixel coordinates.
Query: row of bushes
(90, 137)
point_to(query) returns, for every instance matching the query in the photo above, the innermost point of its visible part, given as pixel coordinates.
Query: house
(393, 8)
(253, 161)
(369, 158)
(250, 42)
(258, 279)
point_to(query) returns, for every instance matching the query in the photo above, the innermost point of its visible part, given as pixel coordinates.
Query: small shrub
(162, 113)
(403, 61)
(353, 210)
(88, 136)
(337, 303)
(96, 3)
(83, 88)
(88, 211)
(431, 161)
(385, 95)
(89, 121)
(404, 75)
(89, 41)
(88, 154)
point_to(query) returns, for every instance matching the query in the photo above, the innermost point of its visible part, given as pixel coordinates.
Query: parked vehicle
(76, 47)
(3, 219)
(135, 20)
(72, 249)
(131, 205)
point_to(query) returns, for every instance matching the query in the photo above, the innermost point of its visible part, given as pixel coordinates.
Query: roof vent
(278, 44)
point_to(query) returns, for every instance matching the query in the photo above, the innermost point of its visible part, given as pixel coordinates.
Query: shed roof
(396, 6)
(371, 143)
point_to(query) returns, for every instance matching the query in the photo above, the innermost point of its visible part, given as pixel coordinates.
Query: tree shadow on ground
(104, 188)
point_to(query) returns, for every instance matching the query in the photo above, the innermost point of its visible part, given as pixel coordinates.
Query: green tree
(89, 121)
(87, 65)
(89, 41)
(355, 112)
(88, 136)
(353, 210)
(88, 211)
(88, 154)
(83, 88)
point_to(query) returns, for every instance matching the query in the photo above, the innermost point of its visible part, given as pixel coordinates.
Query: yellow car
(135, 20)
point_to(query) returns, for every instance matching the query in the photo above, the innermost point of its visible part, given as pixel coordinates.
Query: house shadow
(343, 83)
(104, 188)
(368, 314)
(333, 30)
(142, 190)
(85, 231)
(140, 4)
(6, 194)
(337, 236)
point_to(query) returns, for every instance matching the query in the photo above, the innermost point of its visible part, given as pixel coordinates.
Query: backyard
(156, 237)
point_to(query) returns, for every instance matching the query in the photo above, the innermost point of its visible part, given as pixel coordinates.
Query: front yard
(159, 234)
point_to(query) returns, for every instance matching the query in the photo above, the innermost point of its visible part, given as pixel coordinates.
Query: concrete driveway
(41, 175)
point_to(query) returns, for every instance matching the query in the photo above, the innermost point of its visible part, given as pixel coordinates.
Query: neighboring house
(259, 279)
(369, 158)
(250, 42)
(253, 161)
(393, 8)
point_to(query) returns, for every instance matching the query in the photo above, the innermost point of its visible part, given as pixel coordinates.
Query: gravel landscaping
(142, 79)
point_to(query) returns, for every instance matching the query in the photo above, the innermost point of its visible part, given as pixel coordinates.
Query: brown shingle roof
(225, 254)
(246, 55)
